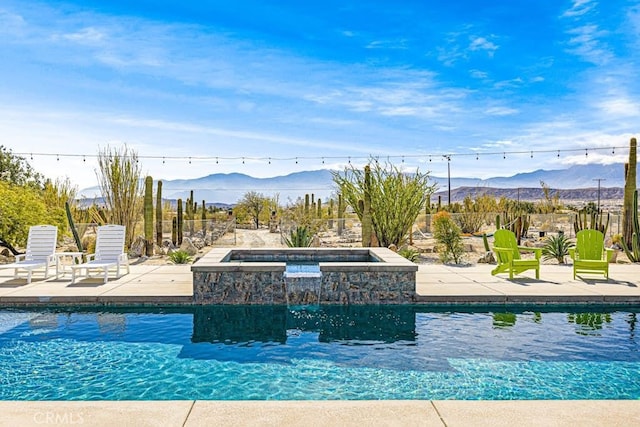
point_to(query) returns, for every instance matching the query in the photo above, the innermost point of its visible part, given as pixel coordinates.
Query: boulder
(188, 246)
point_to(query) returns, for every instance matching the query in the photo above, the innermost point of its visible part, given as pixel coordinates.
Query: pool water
(275, 353)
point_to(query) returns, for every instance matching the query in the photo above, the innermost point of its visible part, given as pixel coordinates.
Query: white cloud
(477, 74)
(501, 111)
(620, 107)
(481, 43)
(580, 8)
(586, 43)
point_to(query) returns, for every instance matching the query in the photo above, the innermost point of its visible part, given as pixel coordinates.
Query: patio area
(435, 284)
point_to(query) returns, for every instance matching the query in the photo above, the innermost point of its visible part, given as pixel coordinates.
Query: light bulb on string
(323, 160)
(216, 160)
(558, 153)
(586, 152)
(269, 160)
(163, 160)
(296, 160)
(243, 160)
(57, 158)
(31, 156)
(189, 160)
(504, 155)
(532, 154)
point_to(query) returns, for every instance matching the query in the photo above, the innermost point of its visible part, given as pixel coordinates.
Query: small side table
(75, 258)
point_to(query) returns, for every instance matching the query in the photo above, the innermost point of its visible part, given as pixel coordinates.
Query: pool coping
(323, 413)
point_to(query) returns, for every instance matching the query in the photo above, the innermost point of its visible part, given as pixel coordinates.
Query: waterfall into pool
(303, 284)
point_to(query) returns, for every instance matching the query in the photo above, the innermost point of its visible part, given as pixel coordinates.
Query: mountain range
(227, 189)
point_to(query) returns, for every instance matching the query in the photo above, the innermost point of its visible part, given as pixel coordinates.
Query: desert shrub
(556, 247)
(474, 213)
(397, 198)
(300, 237)
(20, 208)
(180, 257)
(447, 235)
(410, 254)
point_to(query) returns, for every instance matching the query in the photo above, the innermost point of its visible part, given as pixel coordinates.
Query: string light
(323, 159)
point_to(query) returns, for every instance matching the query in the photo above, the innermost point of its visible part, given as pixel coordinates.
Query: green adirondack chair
(590, 255)
(508, 257)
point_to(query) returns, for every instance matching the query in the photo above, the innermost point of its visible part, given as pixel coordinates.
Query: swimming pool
(331, 352)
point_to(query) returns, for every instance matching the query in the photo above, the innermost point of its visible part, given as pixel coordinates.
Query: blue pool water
(371, 352)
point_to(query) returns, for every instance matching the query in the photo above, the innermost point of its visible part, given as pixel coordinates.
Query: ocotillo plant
(179, 223)
(159, 214)
(367, 221)
(629, 190)
(633, 249)
(148, 215)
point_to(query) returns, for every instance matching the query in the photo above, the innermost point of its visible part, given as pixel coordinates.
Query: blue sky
(324, 82)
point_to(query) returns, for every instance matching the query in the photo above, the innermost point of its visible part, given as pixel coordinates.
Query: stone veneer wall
(337, 287)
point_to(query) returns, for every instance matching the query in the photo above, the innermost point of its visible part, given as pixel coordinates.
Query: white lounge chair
(41, 247)
(109, 253)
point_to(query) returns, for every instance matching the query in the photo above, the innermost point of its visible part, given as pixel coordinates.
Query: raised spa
(304, 276)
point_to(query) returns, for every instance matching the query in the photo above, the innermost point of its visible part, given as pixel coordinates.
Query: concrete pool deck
(436, 284)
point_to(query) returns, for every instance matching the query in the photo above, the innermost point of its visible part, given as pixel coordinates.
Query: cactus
(439, 203)
(518, 223)
(486, 242)
(427, 205)
(365, 208)
(341, 210)
(330, 214)
(498, 222)
(319, 208)
(180, 223)
(203, 217)
(628, 211)
(72, 226)
(580, 221)
(148, 215)
(159, 214)
(306, 204)
(633, 250)
(174, 231)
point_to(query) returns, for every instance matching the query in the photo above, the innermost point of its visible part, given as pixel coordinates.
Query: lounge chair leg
(106, 277)
(29, 277)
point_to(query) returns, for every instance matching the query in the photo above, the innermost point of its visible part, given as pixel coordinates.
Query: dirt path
(257, 239)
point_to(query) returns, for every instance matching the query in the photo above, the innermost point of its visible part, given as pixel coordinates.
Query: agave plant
(301, 237)
(410, 254)
(557, 247)
(180, 257)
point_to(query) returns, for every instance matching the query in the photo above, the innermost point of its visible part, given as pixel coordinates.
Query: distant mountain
(532, 194)
(228, 188)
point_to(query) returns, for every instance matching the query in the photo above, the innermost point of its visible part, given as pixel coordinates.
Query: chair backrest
(590, 244)
(41, 242)
(506, 239)
(109, 242)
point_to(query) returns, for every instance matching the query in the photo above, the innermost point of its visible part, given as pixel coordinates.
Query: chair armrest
(573, 253)
(536, 251)
(90, 257)
(123, 257)
(20, 257)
